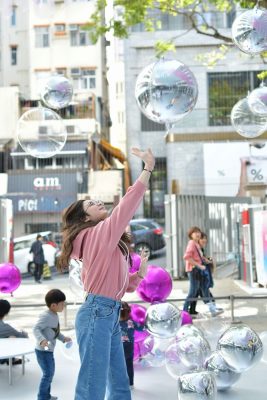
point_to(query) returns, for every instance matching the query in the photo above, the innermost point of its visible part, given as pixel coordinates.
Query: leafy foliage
(128, 13)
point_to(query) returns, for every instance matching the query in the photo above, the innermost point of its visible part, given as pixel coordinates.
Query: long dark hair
(125, 311)
(73, 223)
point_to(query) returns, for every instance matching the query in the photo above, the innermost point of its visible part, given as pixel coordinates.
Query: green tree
(122, 15)
(128, 13)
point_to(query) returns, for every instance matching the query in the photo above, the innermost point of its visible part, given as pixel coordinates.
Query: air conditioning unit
(70, 129)
(75, 71)
(42, 130)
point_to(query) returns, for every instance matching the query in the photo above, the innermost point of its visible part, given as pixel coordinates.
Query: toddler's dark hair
(125, 310)
(54, 296)
(4, 307)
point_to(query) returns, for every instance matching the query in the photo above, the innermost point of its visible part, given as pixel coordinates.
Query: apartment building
(40, 39)
(201, 154)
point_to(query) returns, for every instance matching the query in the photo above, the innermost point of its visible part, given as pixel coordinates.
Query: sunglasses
(93, 203)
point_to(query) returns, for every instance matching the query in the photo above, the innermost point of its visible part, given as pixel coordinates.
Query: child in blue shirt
(128, 326)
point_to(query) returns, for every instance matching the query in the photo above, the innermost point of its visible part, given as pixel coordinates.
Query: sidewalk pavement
(252, 311)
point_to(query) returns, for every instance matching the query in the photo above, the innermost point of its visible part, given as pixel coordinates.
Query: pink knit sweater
(192, 251)
(105, 270)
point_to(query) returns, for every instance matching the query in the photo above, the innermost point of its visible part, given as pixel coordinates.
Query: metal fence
(238, 310)
(218, 217)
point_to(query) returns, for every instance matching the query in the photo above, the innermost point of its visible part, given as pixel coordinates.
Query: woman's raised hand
(143, 265)
(146, 156)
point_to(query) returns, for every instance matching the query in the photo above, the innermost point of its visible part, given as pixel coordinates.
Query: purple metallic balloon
(186, 318)
(156, 286)
(10, 278)
(138, 313)
(136, 261)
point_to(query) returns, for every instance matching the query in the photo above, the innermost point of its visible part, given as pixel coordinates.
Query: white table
(14, 347)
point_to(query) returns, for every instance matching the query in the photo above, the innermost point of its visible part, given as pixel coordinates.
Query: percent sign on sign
(257, 175)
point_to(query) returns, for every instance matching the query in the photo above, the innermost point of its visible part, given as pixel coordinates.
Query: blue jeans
(47, 364)
(194, 286)
(103, 368)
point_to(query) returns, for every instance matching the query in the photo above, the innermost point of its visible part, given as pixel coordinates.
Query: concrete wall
(9, 106)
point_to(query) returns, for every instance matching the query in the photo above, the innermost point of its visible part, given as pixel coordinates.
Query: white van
(23, 259)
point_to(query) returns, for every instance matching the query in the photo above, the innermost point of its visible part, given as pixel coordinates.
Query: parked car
(23, 259)
(147, 235)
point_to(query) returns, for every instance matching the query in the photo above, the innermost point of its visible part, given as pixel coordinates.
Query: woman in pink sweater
(197, 274)
(95, 238)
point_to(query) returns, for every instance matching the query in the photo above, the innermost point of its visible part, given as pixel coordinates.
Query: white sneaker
(213, 310)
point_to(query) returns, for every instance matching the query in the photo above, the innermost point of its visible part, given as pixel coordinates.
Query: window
(45, 162)
(31, 163)
(167, 22)
(61, 71)
(84, 78)
(225, 89)
(75, 71)
(41, 36)
(14, 53)
(147, 125)
(41, 226)
(60, 29)
(154, 196)
(119, 89)
(88, 79)
(78, 36)
(120, 117)
(14, 16)
(164, 22)
(82, 109)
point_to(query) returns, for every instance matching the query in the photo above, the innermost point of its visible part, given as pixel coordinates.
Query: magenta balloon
(138, 313)
(136, 261)
(186, 318)
(140, 336)
(156, 286)
(10, 278)
(141, 345)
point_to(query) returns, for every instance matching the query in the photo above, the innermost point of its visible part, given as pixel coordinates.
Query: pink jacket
(105, 271)
(191, 252)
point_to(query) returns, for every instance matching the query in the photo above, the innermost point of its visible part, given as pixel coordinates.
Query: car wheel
(139, 247)
(31, 267)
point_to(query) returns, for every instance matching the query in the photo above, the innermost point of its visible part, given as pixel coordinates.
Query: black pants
(129, 355)
(38, 271)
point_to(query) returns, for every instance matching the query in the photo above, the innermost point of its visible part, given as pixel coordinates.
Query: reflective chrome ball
(163, 320)
(197, 386)
(193, 350)
(241, 347)
(225, 376)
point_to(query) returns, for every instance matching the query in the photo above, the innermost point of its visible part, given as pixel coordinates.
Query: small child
(7, 330)
(46, 331)
(128, 326)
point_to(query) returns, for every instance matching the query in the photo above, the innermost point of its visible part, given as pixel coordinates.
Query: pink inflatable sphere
(10, 278)
(156, 286)
(136, 261)
(186, 318)
(138, 313)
